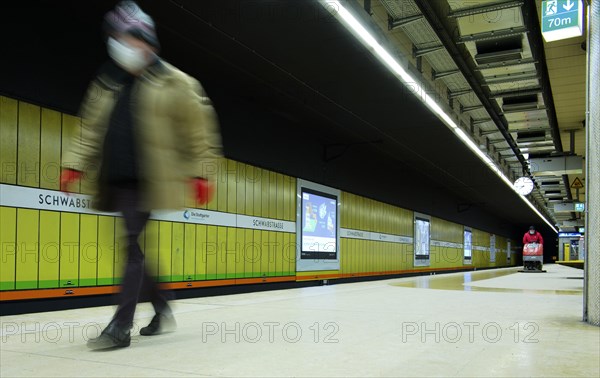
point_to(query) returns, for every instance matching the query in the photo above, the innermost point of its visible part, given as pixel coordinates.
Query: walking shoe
(113, 336)
(161, 323)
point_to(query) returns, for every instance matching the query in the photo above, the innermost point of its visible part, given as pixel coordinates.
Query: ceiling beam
(471, 11)
(395, 23)
(518, 92)
(532, 22)
(438, 75)
(518, 62)
(493, 34)
(417, 52)
(480, 121)
(491, 106)
(510, 78)
(464, 109)
(490, 132)
(459, 93)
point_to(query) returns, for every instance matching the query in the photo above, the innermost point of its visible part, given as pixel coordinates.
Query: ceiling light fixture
(359, 31)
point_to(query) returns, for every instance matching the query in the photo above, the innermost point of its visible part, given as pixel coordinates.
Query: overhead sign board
(569, 207)
(569, 234)
(562, 19)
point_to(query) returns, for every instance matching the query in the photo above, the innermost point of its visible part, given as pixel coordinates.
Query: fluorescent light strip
(339, 11)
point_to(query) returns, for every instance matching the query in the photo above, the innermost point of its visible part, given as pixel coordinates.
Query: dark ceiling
(295, 93)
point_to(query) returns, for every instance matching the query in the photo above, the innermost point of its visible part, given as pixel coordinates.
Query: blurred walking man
(153, 132)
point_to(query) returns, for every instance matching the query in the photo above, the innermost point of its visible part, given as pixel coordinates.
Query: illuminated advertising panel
(317, 227)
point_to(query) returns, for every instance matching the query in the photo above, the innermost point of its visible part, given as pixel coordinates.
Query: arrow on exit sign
(568, 5)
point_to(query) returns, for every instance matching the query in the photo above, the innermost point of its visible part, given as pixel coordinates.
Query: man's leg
(163, 321)
(117, 333)
(135, 221)
(158, 297)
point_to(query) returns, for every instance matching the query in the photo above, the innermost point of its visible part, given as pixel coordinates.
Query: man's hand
(204, 190)
(67, 177)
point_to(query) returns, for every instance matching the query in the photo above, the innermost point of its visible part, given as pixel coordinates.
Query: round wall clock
(523, 185)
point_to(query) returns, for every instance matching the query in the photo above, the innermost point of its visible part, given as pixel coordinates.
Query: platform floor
(496, 323)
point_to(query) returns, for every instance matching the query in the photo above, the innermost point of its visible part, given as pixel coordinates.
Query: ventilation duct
(539, 154)
(499, 50)
(499, 57)
(531, 136)
(557, 166)
(550, 183)
(572, 223)
(520, 103)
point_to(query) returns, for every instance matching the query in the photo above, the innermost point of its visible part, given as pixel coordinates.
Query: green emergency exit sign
(562, 19)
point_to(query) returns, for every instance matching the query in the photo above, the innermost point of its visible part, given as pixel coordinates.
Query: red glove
(67, 177)
(204, 190)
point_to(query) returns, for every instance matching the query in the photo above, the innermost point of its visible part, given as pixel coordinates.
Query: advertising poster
(319, 225)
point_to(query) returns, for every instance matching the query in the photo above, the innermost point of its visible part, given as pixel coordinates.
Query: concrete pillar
(591, 311)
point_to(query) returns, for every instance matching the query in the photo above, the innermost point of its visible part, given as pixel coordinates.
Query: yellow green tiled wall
(370, 256)
(360, 213)
(481, 259)
(49, 249)
(444, 256)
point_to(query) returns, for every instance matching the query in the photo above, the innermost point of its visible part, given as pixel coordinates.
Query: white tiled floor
(462, 325)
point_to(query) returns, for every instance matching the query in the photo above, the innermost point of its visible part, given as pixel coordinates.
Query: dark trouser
(135, 279)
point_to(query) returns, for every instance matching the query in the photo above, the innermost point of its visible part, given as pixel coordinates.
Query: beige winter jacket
(175, 129)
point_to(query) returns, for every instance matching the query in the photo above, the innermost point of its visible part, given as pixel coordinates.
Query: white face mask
(129, 58)
(532, 232)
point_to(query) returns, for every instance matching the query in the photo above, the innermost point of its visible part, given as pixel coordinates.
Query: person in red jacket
(532, 236)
